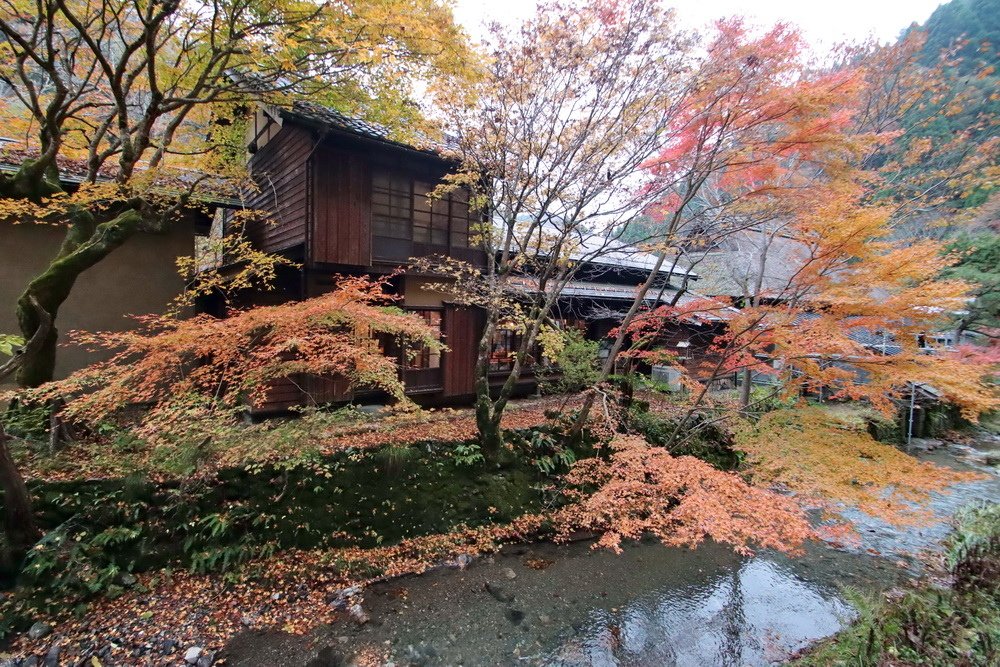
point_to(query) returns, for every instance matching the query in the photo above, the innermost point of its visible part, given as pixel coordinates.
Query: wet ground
(570, 605)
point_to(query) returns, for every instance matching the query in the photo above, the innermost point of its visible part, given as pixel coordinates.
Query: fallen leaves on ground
(284, 440)
(828, 458)
(294, 591)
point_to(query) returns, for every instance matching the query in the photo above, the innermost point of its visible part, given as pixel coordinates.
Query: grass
(953, 619)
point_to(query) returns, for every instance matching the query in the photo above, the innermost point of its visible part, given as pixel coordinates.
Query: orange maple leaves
(641, 489)
(183, 369)
(826, 457)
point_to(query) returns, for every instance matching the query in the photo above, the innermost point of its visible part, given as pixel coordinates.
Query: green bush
(883, 429)
(98, 531)
(577, 365)
(708, 441)
(765, 399)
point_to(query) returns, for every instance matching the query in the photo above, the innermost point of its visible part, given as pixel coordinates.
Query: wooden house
(343, 198)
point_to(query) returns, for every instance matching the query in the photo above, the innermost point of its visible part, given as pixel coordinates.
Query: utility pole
(913, 400)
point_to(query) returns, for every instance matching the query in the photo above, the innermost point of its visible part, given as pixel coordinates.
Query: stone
(358, 614)
(192, 654)
(421, 654)
(925, 444)
(8, 661)
(30, 661)
(326, 657)
(463, 561)
(498, 592)
(509, 573)
(206, 659)
(545, 619)
(372, 409)
(129, 579)
(343, 597)
(515, 616)
(52, 656)
(168, 646)
(39, 630)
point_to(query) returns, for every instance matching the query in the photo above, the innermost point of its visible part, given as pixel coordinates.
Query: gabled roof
(319, 115)
(582, 289)
(323, 115)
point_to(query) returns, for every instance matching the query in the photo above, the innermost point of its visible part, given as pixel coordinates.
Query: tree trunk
(609, 362)
(20, 531)
(746, 376)
(487, 422)
(86, 244)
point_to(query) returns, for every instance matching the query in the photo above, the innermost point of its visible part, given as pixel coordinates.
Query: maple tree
(848, 321)
(207, 370)
(143, 103)
(551, 141)
(640, 489)
(194, 377)
(755, 137)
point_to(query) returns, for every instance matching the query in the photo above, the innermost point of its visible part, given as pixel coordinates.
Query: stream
(545, 604)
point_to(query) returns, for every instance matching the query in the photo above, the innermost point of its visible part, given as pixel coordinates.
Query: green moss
(367, 498)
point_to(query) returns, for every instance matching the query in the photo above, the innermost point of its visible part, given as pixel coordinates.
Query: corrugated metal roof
(615, 292)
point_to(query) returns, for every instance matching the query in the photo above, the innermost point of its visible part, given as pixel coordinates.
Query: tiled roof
(326, 116)
(872, 339)
(211, 189)
(319, 114)
(627, 293)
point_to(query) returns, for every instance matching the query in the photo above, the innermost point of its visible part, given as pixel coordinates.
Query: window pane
(422, 357)
(459, 210)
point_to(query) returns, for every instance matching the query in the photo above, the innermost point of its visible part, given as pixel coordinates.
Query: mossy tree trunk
(487, 417)
(86, 243)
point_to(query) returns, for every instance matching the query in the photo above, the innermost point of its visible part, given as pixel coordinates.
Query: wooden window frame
(438, 223)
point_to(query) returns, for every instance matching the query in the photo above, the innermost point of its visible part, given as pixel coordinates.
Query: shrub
(577, 364)
(710, 442)
(29, 421)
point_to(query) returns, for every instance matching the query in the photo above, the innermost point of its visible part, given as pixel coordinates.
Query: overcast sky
(822, 21)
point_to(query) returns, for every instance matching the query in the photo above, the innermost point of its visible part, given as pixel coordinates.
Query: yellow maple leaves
(826, 457)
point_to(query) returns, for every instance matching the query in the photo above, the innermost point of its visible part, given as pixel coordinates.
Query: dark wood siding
(287, 393)
(462, 328)
(279, 169)
(692, 345)
(341, 209)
